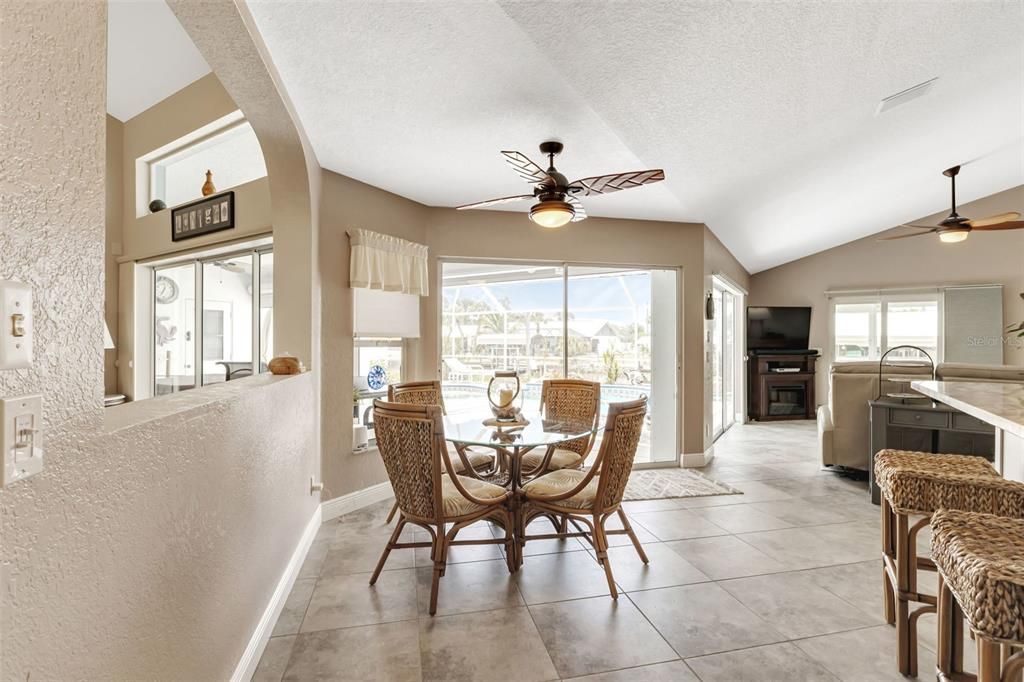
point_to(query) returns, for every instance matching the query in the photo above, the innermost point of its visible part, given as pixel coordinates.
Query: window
(217, 301)
(176, 173)
(865, 327)
(371, 356)
(615, 325)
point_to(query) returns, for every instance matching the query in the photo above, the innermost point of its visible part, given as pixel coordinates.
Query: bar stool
(918, 484)
(980, 560)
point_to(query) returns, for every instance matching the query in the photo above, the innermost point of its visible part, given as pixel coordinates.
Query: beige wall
(148, 552)
(984, 258)
(348, 204)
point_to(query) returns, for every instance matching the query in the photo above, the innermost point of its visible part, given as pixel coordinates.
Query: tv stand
(780, 385)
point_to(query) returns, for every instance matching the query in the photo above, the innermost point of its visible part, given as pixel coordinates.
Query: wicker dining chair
(429, 393)
(594, 496)
(429, 492)
(569, 400)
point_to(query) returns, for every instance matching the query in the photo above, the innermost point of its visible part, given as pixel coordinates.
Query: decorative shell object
(285, 364)
(208, 187)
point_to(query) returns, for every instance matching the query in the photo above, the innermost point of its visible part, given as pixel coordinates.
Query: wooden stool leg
(904, 660)
(950, 653)
(943, 639)
(887, 550)
(989, 659)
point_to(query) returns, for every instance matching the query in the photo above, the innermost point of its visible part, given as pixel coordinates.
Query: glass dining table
(511, 441)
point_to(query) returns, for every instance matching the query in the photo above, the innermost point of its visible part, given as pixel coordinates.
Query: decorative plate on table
(377, 378)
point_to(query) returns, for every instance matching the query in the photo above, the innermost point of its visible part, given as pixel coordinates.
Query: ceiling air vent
(904, 96)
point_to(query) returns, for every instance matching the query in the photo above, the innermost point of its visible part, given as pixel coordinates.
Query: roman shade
(387, 263)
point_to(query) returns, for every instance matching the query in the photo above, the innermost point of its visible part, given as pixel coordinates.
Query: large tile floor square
(780, 583)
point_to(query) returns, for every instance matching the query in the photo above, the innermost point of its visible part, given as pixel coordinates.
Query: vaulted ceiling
(763, 115)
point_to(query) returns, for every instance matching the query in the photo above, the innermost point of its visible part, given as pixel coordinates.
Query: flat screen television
(778, 328)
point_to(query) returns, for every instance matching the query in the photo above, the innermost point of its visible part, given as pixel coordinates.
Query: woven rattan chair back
(410, 439)
(618, 450)
(417, 393)
(572, 400)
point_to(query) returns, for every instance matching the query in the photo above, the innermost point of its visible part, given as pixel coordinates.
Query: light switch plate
(21, 423)
(16, 328)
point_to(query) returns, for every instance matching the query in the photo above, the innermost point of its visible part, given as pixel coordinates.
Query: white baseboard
(332, 509)
(258, 642)
(690, 460)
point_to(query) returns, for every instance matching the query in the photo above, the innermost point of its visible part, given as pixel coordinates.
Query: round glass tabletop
(537, 432)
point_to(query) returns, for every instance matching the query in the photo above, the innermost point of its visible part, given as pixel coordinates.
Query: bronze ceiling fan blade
(1008, 225)
(492, 202)
(580, 213)
(525, 168)
(904, 236)
(918, 227)
(614, 182)
(994, 219)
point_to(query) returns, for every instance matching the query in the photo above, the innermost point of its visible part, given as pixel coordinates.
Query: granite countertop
(999, 404)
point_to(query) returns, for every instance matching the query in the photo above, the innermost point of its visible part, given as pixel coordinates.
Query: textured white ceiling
(149, 56)
(761, 114)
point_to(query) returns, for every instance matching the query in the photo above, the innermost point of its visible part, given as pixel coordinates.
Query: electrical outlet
(21, 421)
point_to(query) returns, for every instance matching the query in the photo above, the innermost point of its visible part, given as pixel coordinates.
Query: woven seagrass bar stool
(918, 484)
(980, 559)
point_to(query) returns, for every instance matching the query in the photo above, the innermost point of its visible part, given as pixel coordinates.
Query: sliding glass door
(615, 325)
(725, 353)
(212, 319)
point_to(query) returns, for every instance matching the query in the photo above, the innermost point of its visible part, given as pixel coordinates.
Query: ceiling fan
(955, 228)
(558, 199)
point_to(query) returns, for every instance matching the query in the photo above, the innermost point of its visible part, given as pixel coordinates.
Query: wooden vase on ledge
(208, 187)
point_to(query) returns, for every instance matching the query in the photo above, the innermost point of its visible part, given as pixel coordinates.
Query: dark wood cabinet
(780, 386)
(925, 426)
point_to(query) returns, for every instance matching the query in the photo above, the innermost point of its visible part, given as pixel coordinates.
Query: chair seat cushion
(562, 481)
(455, 504)
(560, 459)
(478, 459)
(981, 558)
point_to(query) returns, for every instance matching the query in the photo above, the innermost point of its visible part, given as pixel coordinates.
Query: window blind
(973, 324)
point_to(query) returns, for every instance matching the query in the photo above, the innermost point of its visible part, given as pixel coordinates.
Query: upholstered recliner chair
(843, 422)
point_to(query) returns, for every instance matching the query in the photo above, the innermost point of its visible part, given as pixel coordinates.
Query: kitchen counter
(998, 404)
(1001, 405)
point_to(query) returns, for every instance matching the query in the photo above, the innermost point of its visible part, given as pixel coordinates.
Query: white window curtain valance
(387, 263)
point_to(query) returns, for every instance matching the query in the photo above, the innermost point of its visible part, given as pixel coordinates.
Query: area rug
(656, 484)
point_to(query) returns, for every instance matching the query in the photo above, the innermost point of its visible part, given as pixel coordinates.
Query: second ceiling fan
(558, 199)
(954, 227)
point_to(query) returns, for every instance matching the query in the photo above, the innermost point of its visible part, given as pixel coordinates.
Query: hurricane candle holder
(502, 391)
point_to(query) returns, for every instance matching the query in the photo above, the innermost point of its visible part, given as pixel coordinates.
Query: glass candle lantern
(502, 391)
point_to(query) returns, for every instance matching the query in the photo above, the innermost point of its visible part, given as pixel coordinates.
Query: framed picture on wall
(209, 214)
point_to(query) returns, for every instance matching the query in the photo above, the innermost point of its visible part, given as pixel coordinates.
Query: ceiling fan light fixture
(953, 236)
(552, 213)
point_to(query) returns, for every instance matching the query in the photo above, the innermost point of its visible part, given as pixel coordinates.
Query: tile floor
(781, 583)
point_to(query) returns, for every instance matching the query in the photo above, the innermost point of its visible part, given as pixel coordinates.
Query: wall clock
(166, 290)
